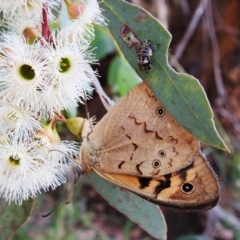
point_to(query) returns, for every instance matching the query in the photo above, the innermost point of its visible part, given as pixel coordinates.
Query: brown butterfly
(139, 146)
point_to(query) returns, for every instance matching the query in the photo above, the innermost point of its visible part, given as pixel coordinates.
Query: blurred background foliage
(206, 44)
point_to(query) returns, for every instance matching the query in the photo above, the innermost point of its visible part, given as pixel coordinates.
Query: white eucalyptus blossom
(16, 120)
(40, 75)
(63, 154)
(28, 9)
(26, 27)
(83, 14)
(57, 152)
(22, 78)
(69, 72)
(24, 172)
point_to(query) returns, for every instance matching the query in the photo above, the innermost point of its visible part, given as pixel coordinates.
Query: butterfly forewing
(138, 137)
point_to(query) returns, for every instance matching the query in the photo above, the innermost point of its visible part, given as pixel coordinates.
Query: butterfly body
(139, 146)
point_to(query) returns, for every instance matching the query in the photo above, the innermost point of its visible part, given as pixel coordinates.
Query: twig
(212, 219)
(106, 101)
(227, 217)
(185, 7)
(222, 26)
(191, 28)
(217, 214)
(216, 54)
(224, 108)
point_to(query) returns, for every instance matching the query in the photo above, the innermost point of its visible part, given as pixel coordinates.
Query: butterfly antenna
(49, 213)
(79, 172)
(72, 159)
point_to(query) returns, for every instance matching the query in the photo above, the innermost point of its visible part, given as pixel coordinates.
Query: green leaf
(181, 94)
(121, 77)
(140, 211)
(13, 216)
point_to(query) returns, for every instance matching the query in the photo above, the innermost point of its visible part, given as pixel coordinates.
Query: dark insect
(144, 56)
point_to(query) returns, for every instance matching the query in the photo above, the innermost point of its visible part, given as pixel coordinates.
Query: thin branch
(217, 214)
(227, 216)
(221, 24)
(224, 106)
(106, 101)
(216, 54)
(212, 219)
(185, 7)
(191, 28)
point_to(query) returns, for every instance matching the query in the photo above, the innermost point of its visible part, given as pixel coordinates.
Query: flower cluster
(42, 72)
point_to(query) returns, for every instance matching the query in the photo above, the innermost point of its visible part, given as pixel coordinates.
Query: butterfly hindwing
(193, 188)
